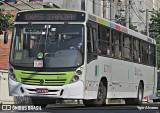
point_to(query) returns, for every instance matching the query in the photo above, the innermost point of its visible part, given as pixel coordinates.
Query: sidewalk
(4, 94)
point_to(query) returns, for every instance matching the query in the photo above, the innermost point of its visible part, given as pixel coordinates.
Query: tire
(138, 100)
(22, 100)
(88, 103)
(101, 97)
(156, 100)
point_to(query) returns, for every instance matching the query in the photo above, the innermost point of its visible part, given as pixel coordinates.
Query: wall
(4, 94)
(4, 53)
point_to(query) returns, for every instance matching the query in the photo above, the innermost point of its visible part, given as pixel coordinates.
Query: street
(111, 108)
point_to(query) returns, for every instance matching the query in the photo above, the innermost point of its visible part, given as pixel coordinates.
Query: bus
(68, 54)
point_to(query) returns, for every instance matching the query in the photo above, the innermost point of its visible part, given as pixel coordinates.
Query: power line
(137, 15)
(102, 5)
(10, 5)
(138, 11)
(147, 4)
(154, 3)
(27, 4)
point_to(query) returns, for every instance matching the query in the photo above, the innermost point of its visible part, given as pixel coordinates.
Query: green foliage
(154, 29)
(131, 26)
(158, 50)
(5, 21)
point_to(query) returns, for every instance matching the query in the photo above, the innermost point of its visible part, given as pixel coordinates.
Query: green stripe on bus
(32, 77)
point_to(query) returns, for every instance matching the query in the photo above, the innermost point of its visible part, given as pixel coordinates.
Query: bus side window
(116, 44)
(91, 44)
(104, 41)
(145, 53)
(127, 47)
(152, 55)
(89, 40)
(136, 50)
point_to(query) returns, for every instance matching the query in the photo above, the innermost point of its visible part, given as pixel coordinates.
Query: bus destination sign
(50, 15)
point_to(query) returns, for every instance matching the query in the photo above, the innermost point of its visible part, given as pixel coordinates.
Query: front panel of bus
(47, 54)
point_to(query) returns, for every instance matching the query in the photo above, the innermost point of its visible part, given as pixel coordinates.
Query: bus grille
(47, 82)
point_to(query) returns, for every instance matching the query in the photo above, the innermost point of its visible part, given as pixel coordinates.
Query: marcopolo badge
(40, 55)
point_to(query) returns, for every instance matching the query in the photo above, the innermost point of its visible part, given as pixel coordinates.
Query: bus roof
(119, 27)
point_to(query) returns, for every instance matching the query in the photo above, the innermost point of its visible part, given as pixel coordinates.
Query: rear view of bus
(47, 55)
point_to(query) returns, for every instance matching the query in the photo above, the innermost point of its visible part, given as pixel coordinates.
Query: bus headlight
(11, 73)
(77, 75)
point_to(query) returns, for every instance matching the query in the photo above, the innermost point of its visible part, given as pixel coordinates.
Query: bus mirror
(5, 37)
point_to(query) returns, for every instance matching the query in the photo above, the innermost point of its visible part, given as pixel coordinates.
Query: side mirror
(5, 37)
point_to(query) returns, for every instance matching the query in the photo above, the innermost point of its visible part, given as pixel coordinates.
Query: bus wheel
(88, 103)
(101, 96)
(138, 100)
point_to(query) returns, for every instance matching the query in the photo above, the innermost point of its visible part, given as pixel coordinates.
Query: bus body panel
(70, 91)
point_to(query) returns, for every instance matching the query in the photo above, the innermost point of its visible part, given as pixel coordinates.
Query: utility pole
(147, 22)
(110, 7)
(83, 7)
(129, 12)
(104, 8)
(126, 13)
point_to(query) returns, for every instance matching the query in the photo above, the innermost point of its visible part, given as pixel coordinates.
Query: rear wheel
(101, 97)
(138, 100)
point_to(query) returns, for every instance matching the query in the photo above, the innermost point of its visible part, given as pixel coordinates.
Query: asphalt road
(75, 108)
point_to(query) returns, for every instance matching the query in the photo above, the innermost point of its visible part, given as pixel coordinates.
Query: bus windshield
(59, 45)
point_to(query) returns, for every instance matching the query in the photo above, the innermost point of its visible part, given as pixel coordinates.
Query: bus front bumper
(68, 91)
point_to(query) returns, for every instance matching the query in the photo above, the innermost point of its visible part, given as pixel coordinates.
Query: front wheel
(101, 97)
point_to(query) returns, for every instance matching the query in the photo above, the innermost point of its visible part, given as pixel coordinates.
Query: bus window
(116, 44)
(104, 41)
(145, 56)
(91, 44)
(127, 47)
(152, 55)
(136, 50)
(89, 40)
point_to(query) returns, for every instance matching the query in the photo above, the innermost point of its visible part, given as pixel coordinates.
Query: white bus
(65, 54)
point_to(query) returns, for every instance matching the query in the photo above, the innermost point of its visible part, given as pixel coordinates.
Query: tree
(5, 21)
(154, 29)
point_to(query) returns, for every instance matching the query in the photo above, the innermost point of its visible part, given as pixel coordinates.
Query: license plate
(38, 63)
(41, 90)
